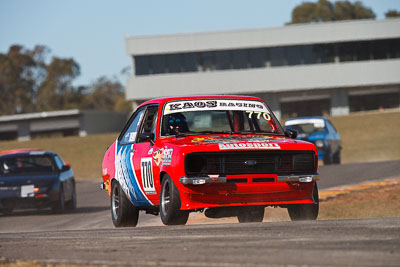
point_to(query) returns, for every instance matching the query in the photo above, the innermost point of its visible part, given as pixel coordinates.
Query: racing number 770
(147, 175)
(265, 115)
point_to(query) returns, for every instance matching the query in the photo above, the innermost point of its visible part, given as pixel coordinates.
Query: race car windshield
(26, 164)
(217, 116)
(306, 126)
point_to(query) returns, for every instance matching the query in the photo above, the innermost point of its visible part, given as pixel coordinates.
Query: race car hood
(239, 142)
(317, 136)
(312, 136)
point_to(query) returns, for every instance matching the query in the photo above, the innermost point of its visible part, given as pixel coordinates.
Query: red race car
(224, 155)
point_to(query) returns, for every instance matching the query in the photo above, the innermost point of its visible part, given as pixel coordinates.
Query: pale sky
(92, 31)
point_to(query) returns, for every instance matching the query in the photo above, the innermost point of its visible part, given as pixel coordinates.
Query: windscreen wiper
(185, 134)
(215, 132)
(257, 132)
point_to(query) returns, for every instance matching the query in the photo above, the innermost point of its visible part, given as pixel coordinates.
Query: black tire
(305, 212)
(71, 204)
(123, 212)
(337, 158)
(59, 205)
(251, 214)
(170, 204)
(328, 157)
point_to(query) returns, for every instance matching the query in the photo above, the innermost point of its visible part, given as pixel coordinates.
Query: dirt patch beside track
(369, 202)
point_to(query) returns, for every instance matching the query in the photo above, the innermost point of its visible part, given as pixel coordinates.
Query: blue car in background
(32, 178)
(321, 132)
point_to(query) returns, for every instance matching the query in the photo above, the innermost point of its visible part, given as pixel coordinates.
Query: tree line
(31, 82)
(324, 10)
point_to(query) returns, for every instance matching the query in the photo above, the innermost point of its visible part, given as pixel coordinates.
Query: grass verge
(85, 154)
(366, 137)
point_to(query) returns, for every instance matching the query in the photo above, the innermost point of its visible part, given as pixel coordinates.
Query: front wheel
(170, 204)
(59, 205)
(71, 204)
(328, 157)
(251, 214)
(123, 212)
(304, 212)
(337, 157)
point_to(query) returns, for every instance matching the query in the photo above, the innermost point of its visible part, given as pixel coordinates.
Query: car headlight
(319, 143)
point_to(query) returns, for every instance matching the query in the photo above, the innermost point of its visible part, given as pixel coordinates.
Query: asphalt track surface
(87, 236)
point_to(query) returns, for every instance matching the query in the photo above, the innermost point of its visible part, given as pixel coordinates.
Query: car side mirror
(146, 137)
(291, 133)
(65, 168)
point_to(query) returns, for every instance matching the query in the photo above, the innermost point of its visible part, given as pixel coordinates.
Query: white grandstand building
(331, 68)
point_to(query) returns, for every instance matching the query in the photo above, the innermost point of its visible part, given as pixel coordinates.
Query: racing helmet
(176, 123)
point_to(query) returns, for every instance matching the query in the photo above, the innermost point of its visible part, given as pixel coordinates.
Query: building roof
(310, 33)
(39, 115)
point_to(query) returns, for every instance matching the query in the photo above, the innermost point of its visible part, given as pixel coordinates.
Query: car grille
(250, 162)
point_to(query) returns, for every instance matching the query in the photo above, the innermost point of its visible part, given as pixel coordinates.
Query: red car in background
(224, 155)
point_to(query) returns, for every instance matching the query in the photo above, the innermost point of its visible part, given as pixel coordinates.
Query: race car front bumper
(298, 178)
(199, 180)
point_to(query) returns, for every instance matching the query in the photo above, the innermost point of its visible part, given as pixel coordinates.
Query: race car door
(145, 169)
(124, 158)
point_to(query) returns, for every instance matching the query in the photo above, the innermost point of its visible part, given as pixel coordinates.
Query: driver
(177, 124)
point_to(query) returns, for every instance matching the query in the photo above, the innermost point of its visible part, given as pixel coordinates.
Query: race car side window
(149, 120)
(59, 162)
(130, 135)
(331, 129)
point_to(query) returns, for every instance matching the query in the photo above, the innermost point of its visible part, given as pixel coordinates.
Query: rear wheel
(123, 212)
(170, 204)
(251, 214)
(304, 212)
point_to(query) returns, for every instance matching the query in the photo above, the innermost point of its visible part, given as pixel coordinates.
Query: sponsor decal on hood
(234, 139)
(250, 145)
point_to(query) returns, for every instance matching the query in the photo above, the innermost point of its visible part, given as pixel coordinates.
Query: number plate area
(146, 170)
(27, 190)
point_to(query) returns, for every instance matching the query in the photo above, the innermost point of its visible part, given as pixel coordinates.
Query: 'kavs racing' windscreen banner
(202, 105)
